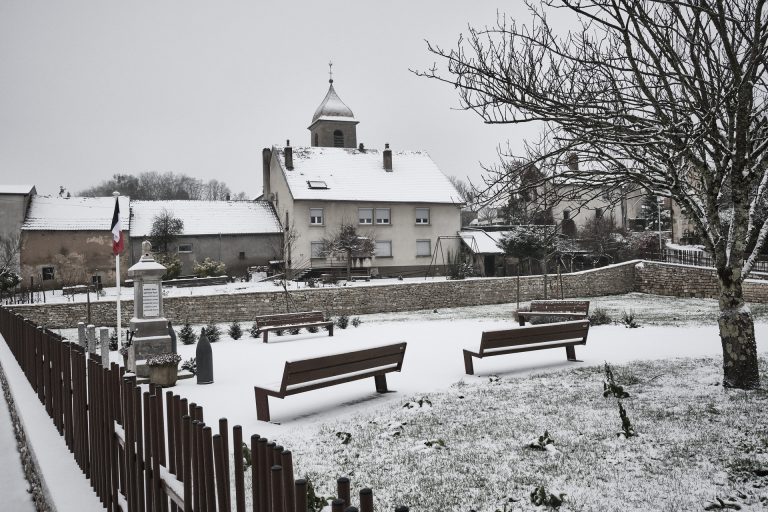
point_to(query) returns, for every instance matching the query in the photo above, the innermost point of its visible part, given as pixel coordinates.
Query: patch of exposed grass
(695, 443)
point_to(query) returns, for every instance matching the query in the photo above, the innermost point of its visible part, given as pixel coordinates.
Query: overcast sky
(93, 88)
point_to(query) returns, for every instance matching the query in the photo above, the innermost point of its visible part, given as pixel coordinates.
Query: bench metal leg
(264, 336)
(262, 405)
(330, 330)
(570, 351)
(381, 383)
(468, 366)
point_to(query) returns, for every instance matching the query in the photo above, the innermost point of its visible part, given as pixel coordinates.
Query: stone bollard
(204, 359)
(172, 334)
(90, 335)
(81, 335)
(104, 340)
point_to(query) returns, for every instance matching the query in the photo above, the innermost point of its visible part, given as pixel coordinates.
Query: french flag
(118, 244)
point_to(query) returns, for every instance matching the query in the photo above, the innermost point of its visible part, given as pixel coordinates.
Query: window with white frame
(316, 217)
(185, 247)
(382, 216)
(318, 250)
(423, 248)
(422, 215)
(383, 249)
(365, 215)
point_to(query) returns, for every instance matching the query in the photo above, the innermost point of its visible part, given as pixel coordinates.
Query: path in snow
(13, 485)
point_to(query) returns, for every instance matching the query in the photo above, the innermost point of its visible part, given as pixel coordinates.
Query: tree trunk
(349, 265)
(737, 334)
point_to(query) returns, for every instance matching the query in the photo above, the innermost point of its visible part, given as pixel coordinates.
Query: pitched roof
(207, 217)
(354, 175)
(17, 189)
(48, 213)
(483, 242)
(332, 108)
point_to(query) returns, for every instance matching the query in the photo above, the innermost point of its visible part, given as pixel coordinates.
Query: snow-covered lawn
(690, 429)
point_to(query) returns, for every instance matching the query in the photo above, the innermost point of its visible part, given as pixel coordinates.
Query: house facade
(67, 241)
(400, 199)
(14, 202)
(238, 233)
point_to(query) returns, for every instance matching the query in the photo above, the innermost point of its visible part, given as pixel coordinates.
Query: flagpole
(117, 279)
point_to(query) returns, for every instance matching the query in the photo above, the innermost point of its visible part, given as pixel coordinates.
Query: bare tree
(9, 262)
(664, 95)
(347, 242)
(165, 229)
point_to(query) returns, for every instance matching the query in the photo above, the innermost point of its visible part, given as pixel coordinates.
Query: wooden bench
(529, 338)
(319, 372)
(567, 309)
(285, 321)
(360, 273)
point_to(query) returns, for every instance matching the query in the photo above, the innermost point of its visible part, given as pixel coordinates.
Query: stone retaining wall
(688, 281)
(353, 300)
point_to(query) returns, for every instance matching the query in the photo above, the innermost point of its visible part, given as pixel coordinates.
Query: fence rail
(149, 450)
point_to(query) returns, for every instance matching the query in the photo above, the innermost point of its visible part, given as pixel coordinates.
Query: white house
(399, 198)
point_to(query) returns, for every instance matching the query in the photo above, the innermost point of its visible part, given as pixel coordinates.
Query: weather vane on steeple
(330, 72)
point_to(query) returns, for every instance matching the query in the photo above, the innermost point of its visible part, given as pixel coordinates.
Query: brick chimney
(573, 161)
(288, 155)
(266, 158)
(387, 158)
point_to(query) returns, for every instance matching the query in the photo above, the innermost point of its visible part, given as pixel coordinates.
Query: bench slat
(533, 334)
(328, 371)
(289, 318)
(338, 379)
(302, 365)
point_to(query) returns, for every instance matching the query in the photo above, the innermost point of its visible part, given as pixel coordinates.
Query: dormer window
(317, 184)
(338, 139)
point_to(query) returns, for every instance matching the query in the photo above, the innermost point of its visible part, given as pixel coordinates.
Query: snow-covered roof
(332, 108)
(354, 175)
(482, 242)
(17, 189)
(207, 217)
(47, 213)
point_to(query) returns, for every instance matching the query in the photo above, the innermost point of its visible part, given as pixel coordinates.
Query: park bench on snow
(319, 372)
(529, 338)
(557, 309)
(287, 321)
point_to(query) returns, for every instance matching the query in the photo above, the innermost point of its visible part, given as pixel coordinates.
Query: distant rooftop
(47, 213)
(355, 175)
(207, 217)
(17, 189)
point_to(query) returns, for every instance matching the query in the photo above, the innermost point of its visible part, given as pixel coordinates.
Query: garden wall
(688, 281)
(353, 300)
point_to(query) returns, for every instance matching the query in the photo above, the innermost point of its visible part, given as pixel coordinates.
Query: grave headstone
(81, 335)
(104, 340)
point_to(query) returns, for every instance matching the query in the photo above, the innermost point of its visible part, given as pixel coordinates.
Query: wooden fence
(149, 451)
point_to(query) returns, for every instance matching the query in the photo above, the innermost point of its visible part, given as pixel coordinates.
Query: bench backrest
(289, 318)
(534, 334)
(327, 370)
(560, 306)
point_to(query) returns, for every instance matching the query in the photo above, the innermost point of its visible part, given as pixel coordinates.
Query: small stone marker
(104, 339)
(90, 335)
(172, 334)
(81, 335)
(204, 359)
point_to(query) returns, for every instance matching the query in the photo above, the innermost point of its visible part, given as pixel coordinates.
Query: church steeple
(334, 124)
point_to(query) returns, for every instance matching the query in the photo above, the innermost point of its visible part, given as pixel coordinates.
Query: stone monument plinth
(149, 327)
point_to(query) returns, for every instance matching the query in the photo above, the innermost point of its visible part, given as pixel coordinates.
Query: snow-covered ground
(670, 328)
(13, 486)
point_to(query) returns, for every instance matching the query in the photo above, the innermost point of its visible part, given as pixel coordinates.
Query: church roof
(332, 108)
(346, 174)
